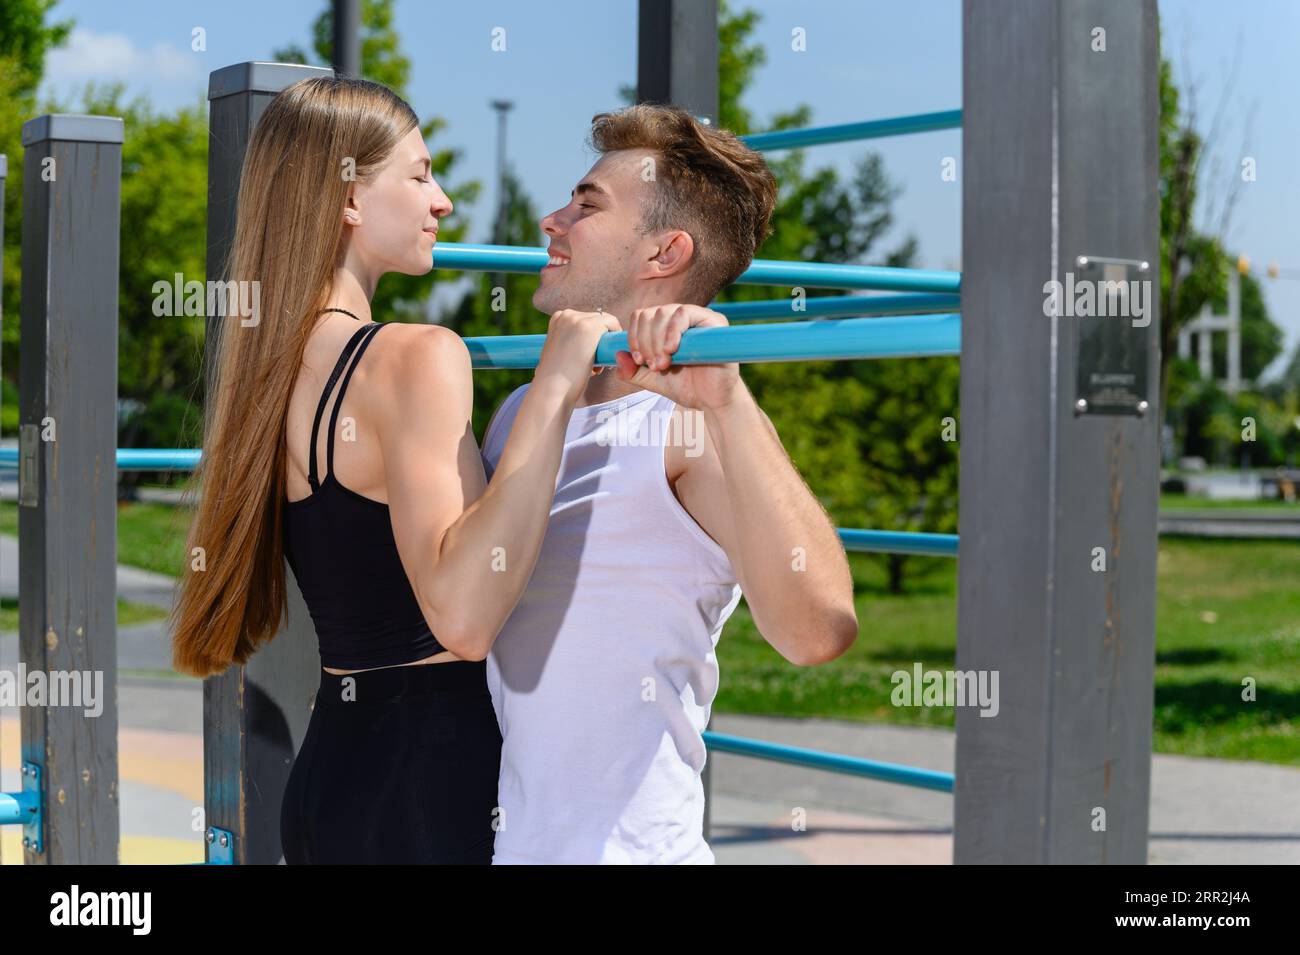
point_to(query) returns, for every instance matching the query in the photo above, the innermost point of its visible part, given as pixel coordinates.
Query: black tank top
(341, 549)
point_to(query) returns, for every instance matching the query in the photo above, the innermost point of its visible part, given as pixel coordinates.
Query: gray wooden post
(677, 63)
(1060, 430)
(67, 515)
(255, 716)
(677, 54)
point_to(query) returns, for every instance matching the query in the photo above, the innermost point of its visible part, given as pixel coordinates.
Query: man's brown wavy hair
(706, 182)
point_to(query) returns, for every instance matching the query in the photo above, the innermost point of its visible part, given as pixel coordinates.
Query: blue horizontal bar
(823, 275)
(899, 542)
(851, 132)
(157, 459)
(488, 258)
(891, 542)
(16, 809)
(133, 459)
(912, 336)
(834, 762)
(511, 258)
(840, 306)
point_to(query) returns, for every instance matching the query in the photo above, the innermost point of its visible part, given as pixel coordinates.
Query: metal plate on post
(29, 483)
(34, 824)
(1111, 303)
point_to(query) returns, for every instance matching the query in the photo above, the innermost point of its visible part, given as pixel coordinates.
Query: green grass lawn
(1225, 611)
(151, 536)
(128, 613)
(1181, 502)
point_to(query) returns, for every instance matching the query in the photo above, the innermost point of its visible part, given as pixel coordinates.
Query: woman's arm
(469, 546)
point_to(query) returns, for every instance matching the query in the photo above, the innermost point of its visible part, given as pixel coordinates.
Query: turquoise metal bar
(17, 808)
(899, 542)
(888, 542)
(488, 258)
(834, 762)
(26, 808)
(824, 339)
(840, 306)
(852, 132)
(156, 459)
(133, 459)
(824, 275)
(834, 339)
(510, 258)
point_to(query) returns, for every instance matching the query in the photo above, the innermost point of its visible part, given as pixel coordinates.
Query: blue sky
(565, 60)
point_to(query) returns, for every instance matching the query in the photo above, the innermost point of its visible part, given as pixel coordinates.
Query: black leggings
(399, 765)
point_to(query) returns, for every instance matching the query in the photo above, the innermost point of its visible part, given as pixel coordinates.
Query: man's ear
(676, 252)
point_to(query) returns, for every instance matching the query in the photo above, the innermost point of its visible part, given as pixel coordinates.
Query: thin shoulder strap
(348, 349)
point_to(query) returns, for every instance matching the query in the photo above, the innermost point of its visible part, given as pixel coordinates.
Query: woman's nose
(441, 202)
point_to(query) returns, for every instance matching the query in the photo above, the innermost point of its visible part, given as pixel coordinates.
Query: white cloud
(114, 56)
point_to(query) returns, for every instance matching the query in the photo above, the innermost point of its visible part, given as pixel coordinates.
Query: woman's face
(393, 219)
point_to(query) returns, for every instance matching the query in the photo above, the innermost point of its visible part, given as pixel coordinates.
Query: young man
(604, 675)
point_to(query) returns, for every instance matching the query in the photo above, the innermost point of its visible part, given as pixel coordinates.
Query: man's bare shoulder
(690, 450)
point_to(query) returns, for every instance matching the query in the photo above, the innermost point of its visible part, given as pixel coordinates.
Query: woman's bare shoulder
(415, 361)
(407, 349)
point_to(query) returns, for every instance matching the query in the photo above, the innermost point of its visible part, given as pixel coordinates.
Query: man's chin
(550, 304)
(552, 300)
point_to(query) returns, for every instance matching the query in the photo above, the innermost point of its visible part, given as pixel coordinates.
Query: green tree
(164, 233)
(1250, 429)
(867, 436)
(15, 107)
(843, 423)
(1194, 271)
(398, 297)
(164, 186)
(1208, 422)
(1289, 384)
(501, 304)
(1191, 265)
(382, 59)
(25, 38)
(1194, 266)
(1261, 340)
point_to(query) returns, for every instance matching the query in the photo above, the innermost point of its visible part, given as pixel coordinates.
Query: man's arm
(743, 489)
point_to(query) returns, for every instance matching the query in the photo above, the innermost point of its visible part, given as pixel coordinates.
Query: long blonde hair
(312, 139)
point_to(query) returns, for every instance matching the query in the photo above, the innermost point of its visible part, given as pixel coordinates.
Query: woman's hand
(570, 349)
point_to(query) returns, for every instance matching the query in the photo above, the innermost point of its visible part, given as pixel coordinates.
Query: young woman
(408, 560)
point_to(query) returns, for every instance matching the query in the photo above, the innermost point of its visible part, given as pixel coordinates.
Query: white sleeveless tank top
(604, 675)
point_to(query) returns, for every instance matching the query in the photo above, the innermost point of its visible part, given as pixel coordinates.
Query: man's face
(597, 251)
